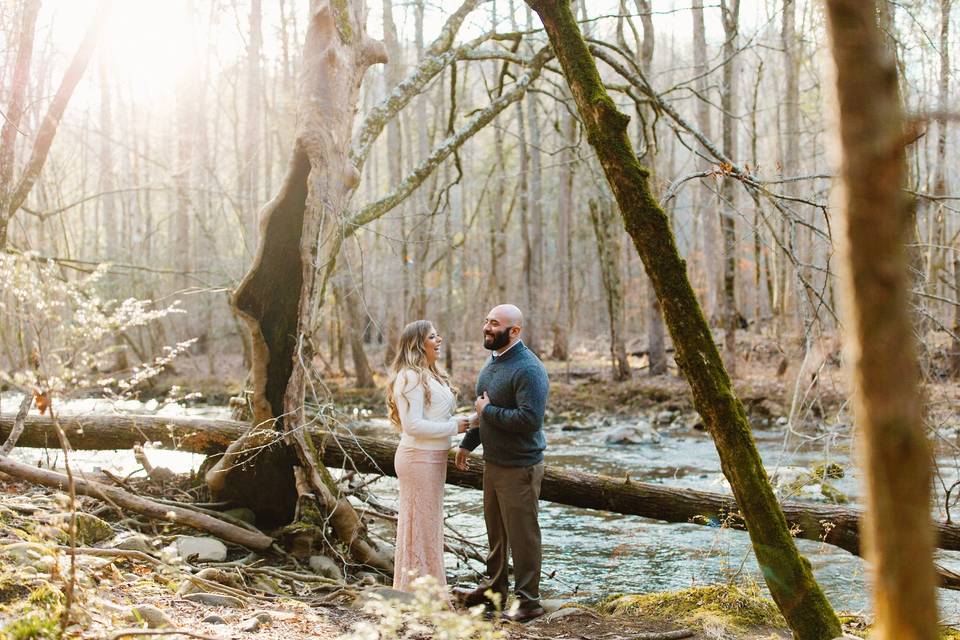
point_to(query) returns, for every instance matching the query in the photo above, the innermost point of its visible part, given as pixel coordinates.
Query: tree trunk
(300, 239)
(730, 12)
(709, 223)
(787, 574)
(349, 294)
(790, 144)
(603, 219)
(563, 318)
(656, 345)
(832, 524)
(888, 404)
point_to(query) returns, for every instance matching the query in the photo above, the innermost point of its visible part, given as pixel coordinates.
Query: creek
(591, 554)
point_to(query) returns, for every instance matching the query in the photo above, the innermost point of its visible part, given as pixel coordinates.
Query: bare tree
(13, 193)
(603, 217)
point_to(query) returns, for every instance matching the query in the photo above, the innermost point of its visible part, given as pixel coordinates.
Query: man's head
(502, 327)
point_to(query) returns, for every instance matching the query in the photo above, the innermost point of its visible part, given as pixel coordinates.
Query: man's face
(496, 333)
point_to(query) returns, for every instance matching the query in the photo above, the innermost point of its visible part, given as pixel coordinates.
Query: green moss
(45, 595)
(38, 625)
(828, 471)
(738, 606)
(949, 633)
(341, 16)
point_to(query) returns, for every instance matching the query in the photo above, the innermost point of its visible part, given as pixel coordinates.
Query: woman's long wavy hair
(412, 355)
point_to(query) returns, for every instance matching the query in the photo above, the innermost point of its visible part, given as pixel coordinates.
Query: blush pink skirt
(419, 552)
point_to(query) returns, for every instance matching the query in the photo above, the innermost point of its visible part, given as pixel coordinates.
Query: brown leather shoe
(523, 614)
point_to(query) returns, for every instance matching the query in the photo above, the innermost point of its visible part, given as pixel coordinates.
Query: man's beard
(497, 341)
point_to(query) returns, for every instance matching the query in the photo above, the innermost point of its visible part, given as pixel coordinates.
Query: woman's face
(431, 346)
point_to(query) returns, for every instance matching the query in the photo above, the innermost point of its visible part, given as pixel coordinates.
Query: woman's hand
(463, 423)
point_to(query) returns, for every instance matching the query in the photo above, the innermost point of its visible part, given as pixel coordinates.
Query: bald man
(511, 397)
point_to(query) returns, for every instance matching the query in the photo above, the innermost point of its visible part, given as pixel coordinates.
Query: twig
(124, 633)
(18, 424)
(150, 508)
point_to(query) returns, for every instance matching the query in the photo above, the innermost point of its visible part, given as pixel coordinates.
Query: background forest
(234, 203)
(178, 134)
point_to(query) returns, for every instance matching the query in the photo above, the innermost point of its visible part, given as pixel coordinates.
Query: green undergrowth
(32, 614)
(739, 606)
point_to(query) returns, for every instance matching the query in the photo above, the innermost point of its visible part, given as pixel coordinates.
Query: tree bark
(877, 227)
(787, 573)
(833, 524)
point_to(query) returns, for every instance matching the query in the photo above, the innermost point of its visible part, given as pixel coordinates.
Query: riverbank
(128, 575)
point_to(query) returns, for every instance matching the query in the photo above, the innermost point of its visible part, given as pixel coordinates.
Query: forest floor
(129, 580)
(129, 575)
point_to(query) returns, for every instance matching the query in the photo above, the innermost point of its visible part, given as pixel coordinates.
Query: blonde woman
(421, 403)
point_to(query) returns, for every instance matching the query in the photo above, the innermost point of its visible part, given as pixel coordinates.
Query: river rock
(641, 433)
(265, 617)
(214, 619)
(250, 625)
(324, 566)
(666, 417)
(90, 528)
(199, 549)
(30, 554)
(155, 618)
(213, 599)
(132, 542)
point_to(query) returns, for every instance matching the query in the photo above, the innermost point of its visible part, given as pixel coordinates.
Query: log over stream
(832, 524)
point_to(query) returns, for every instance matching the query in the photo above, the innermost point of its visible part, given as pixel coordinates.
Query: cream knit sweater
(424, 426)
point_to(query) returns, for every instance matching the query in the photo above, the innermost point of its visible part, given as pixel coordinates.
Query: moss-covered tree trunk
(281, 296)
(787, 573)
(878, 221)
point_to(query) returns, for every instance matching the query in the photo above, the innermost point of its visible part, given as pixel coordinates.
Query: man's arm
(531, 393)
(472, 439)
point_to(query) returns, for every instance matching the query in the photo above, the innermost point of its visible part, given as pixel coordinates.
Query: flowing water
(591, 554)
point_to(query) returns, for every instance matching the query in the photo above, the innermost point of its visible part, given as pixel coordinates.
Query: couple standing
(511, 397)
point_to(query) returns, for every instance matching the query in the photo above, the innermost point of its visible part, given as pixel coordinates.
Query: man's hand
(481, 403)
(461, 460)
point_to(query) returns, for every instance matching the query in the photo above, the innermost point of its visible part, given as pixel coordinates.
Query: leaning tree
(787, 573)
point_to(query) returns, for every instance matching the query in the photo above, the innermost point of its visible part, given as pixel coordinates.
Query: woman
(421, 403)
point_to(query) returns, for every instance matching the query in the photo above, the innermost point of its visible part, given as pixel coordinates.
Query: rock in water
(641, 433)
(200, 549)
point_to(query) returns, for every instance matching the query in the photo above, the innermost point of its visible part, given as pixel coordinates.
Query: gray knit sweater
(511, 426)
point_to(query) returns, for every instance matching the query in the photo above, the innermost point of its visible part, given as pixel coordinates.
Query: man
(511, 398)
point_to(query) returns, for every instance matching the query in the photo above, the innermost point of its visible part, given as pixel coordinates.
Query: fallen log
(138, 504)
(831, 524)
